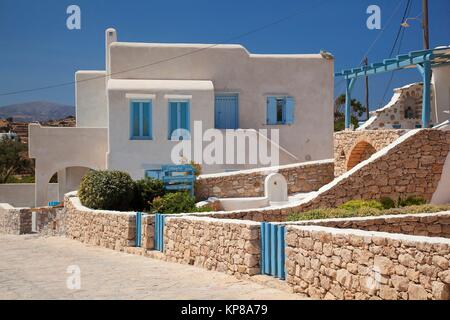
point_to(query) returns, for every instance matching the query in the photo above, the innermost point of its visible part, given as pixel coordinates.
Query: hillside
(36, 111)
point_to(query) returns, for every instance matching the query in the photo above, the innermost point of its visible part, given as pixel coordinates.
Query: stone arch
(360, 152)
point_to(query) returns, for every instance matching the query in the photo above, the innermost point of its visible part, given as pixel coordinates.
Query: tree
(357, 110)
(12, 158)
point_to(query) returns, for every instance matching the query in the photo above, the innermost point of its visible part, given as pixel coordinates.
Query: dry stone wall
(352, 145)
(424, 224)
(14, 220)
(327, 263)
(403, 111)
(230, 246)
(109, 229)
(301, 177)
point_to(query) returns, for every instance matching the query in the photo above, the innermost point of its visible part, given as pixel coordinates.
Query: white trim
(140, 96)
(177, 96)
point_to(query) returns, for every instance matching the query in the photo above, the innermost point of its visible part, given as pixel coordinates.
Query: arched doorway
(362, 151)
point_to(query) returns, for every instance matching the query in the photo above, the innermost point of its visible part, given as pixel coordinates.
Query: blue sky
(38, 50)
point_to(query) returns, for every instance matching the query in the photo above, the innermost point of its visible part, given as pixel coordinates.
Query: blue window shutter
(146, 119)
(135, 119)
(271, 110)
(173, 117)
(290, 110)
(184, 124)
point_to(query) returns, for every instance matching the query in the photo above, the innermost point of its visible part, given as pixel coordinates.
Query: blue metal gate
(226, 112)
(273, 249)
(159, 231)
(138, 229)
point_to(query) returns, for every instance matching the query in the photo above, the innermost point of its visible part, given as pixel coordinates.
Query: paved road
(33, 267)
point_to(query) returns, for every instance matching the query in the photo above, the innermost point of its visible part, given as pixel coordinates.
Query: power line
(295, 13)
(399, 37)
(375, 40)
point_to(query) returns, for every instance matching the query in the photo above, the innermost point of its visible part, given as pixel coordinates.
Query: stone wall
(50, 221)
(424, 224)
(403, 111)
(351, 146)
(109, 229)
(230, 246)
(14, 220)
(327, 263)
(411, 166)
(301, 177)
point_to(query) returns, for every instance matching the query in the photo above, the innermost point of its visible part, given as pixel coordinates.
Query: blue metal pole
(262, 260)
(281, 252)
(267, 249)
(426, 96)
(138, 229)
(348, 99)
(273, 250)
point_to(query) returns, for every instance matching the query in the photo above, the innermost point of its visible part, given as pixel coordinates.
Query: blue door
(226, 112)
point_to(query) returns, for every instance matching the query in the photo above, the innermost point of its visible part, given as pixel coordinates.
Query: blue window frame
(179, 117)
(141, 120)
(154, 173)
(280, 110)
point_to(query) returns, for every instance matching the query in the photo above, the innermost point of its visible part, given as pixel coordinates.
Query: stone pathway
(33, 267)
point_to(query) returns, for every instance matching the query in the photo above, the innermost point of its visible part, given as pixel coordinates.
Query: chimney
(110, 37)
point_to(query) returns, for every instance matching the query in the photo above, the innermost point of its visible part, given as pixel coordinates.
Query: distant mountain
(36, 111)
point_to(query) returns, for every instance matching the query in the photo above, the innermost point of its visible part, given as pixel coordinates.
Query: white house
(126, 113)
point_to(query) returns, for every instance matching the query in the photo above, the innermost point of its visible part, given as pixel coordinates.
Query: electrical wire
(263, 27)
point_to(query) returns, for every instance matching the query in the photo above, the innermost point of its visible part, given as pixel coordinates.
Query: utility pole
(426, 36)
(366, 63)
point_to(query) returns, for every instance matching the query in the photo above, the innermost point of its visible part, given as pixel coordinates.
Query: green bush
(176, 202)
(146, 190)
(107, 190)
(357, 204)
(411, 201)
(328, 213)
(387, 203)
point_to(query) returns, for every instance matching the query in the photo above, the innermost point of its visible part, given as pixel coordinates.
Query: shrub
(174, 202)
(411, 201)
(353, 205)
(146, 190)
(328, 213)
(387, 203)
(107, 190)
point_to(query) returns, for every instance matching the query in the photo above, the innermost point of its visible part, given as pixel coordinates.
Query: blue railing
(138, 238)
(54, 203)
(159, 231)
(273, 249)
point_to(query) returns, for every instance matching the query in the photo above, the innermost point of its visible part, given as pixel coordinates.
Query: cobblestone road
(33, 267)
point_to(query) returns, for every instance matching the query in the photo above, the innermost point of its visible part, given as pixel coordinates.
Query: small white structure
(275, 194)
(126, 113)
(275, 188)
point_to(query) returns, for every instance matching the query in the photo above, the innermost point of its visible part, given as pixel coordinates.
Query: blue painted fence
(159, 231)
(273, 249)
(138, 237)
(178, 177)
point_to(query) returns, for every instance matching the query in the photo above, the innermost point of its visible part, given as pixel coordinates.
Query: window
(280, 110)
(178, 117)
(141, 120)
(153, 173)
(397, 126)
(409, 113)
